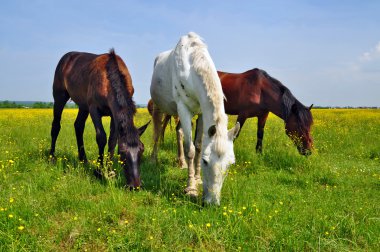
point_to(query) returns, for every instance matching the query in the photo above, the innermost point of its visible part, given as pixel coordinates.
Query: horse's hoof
(52, 159)
(111, 174)
(183, 166)
(192, 192)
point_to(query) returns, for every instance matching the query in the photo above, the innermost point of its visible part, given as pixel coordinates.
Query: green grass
(275, 201)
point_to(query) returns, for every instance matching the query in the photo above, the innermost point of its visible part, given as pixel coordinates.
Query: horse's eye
(205, 162)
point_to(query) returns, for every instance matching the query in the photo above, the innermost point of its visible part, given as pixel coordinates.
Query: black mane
(126, 105)
(290, 104)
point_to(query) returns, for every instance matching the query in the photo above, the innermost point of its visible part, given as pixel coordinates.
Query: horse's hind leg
(60, 99)
(157, 123)
(180, 151)
(164, 125)
(260, 131)
(79, 129)
(241, 119)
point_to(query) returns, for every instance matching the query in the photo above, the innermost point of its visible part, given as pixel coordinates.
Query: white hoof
(111, 174)
(183, 164)
(192, 192)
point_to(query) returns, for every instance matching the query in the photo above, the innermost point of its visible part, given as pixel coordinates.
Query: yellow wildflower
(208, 225)
(11, 200)
(21, 228)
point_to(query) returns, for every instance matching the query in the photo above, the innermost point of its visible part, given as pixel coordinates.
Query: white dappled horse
(185, 83)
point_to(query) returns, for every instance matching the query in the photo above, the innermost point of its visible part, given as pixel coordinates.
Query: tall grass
(275, 201)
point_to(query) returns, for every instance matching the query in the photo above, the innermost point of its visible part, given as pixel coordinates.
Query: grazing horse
(185, 83)
(101, 86)
(256, 93)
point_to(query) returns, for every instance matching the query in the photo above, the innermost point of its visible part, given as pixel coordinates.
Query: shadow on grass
(163, 178)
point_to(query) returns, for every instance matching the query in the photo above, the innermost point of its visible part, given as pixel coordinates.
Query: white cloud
(372, 55)
(369, 62)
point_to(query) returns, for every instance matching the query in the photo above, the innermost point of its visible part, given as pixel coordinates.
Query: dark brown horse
(255, 93)
(101, 86)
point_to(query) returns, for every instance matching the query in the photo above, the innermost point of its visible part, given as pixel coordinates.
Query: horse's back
(77, 71)
(242, 91)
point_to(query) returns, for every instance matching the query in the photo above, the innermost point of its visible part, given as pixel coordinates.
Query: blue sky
(325, 52)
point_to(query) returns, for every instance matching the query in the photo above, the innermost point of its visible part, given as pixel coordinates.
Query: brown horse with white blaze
(101, 86)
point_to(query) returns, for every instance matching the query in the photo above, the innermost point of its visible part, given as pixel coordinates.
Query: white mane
(205, 68)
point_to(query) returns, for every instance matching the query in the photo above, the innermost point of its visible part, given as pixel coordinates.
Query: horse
(255, 93)
(101, 86)
(185, 83)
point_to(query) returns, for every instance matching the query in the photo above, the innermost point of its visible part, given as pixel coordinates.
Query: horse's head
(215, 163)
(130, 156)
(298, 126)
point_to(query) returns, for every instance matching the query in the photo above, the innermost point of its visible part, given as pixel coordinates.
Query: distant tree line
(31, 104)
(9, 104)
(13, 104)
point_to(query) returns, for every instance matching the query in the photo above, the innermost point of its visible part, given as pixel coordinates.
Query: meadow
(278, 200)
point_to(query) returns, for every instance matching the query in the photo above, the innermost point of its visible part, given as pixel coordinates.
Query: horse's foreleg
(260, 132)
(198, 148)
(101, 137)
(185, 118)
(112, 139)
(59, 103)
(180, 151)
(79, 129)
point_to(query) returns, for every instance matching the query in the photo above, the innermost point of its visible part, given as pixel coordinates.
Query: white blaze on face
(215, 168)
(134, 153)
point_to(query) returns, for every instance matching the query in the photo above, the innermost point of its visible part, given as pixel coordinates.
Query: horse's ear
(212, 130)
(143, 128)
(311, 106)
(232, 133)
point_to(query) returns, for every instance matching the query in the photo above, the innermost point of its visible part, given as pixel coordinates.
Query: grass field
(275, 201)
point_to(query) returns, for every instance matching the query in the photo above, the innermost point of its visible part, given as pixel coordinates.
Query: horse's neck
(213, 114)
(274, 103)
